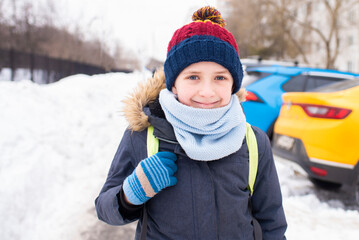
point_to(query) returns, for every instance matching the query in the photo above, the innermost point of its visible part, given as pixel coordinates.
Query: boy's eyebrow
(191, 72)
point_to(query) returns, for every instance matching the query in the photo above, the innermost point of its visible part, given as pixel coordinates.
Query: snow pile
(57, 142)
(56, 145)
(307, 216)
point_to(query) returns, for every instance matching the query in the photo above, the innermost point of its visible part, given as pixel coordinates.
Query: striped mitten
(150, 176)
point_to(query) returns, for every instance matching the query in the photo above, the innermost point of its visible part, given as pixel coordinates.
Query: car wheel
(324, 184)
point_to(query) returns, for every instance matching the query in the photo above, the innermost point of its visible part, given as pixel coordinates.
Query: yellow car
(320, 131)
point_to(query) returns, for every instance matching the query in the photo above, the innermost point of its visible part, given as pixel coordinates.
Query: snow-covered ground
(57, 142)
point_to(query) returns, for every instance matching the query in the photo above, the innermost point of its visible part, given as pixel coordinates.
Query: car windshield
(252, 76)
(338, 86)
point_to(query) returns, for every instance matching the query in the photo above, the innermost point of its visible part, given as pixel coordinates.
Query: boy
(195, 187)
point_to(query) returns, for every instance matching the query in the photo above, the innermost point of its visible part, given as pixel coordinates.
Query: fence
(43, 69)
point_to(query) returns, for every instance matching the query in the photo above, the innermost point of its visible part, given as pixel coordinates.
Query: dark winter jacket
(210, 199)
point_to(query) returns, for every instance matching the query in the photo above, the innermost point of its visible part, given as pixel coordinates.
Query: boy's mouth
(206, 104)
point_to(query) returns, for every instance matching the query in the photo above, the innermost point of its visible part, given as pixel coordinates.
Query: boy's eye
(220, 78)
(193, 77)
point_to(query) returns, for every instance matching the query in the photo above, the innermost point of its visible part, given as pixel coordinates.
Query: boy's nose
(207, 89)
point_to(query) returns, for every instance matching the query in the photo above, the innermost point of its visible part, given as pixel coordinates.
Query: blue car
(265, 86)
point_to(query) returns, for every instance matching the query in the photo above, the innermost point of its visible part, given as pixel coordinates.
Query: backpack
(153, 146)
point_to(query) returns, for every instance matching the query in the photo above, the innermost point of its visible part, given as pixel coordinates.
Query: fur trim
(145, 93)
(241, 94)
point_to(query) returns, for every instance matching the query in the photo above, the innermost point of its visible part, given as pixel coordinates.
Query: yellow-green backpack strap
(153, 145)
(253, 157)
(152, 142)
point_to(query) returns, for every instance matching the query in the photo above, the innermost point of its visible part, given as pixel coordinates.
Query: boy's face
(204, 85)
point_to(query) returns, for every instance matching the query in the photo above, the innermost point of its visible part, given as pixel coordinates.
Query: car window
(251, 77)
(317, 81)
(296, 84)
(338, 86)
(307, 83)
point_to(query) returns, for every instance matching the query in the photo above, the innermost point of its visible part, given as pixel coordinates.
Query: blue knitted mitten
(150, 176)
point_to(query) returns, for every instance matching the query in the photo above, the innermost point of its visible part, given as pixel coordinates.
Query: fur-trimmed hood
(145, 93)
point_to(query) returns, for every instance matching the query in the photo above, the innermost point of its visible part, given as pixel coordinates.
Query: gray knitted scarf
(205, 134)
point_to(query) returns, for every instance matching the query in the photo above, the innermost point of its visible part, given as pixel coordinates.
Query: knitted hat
(204, 39)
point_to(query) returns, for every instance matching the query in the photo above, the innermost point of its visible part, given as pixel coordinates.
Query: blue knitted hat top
(204, 39)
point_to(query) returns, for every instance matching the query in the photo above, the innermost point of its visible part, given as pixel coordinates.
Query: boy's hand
(150, 176)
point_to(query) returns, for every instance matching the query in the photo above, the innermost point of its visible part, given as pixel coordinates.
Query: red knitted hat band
(202, 28)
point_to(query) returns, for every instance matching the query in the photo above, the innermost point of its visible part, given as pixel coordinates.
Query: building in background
(349, 58)
(348, 38)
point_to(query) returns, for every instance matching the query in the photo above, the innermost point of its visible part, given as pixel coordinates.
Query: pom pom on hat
(204, 39)
(210, 14)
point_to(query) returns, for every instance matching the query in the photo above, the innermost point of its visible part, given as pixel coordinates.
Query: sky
(144, 26)
(57, 143)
